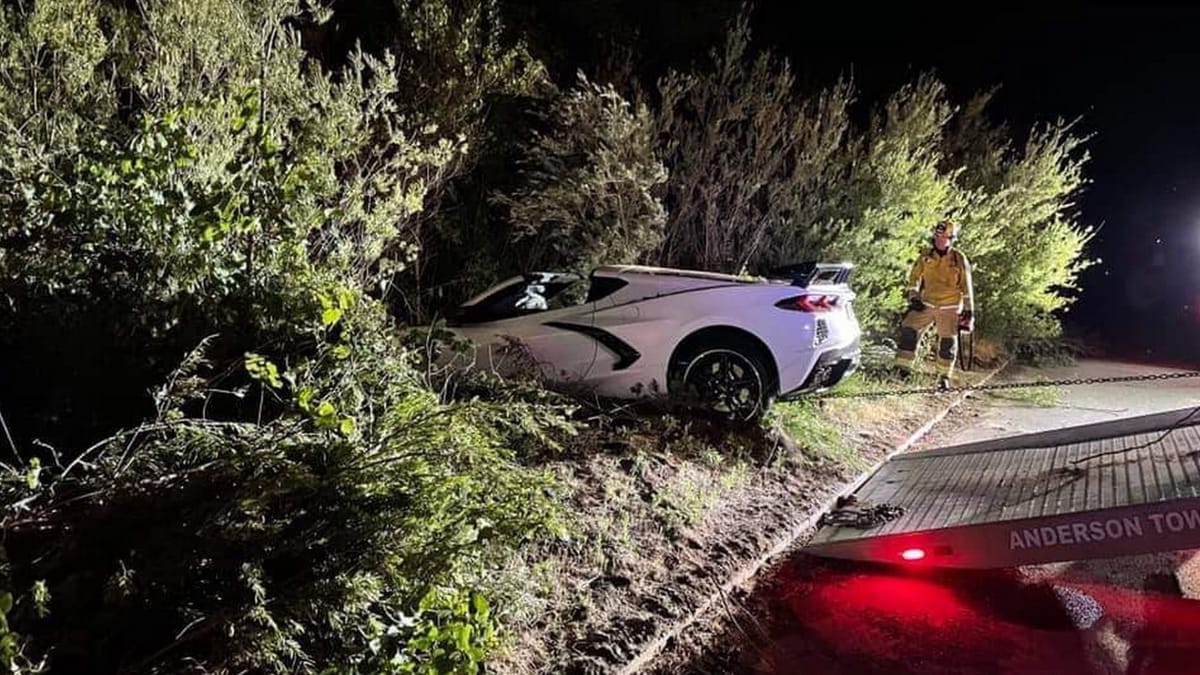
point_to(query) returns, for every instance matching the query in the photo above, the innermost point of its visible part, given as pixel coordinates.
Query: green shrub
(12, 649)
(450, 633)
(762, 173)
(183, 174)
(751, 164)
(897, 193)
(191, 174)
(472, 77)
(587, 192)
(281, 546)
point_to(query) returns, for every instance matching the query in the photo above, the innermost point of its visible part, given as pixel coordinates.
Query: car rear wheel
(730, 380)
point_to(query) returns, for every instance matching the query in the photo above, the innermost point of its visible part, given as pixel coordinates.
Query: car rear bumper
(831, 367)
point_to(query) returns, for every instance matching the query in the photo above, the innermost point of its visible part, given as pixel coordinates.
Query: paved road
(1137, 615)
(1081, 404)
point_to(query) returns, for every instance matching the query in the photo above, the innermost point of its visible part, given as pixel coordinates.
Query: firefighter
(940, 294)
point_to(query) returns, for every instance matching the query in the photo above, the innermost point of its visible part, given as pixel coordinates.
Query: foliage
(470, 77)
(587, 193)
(816, 435)
(240, 184)
(1022, 223)
(181, 173)
(451, 633)
(897, 194)
(460, 58)
(746, 158)
(762, 174)
(351, 506)
(8, 639)
(13, 658)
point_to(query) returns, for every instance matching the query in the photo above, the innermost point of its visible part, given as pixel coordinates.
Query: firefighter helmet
(948, 226)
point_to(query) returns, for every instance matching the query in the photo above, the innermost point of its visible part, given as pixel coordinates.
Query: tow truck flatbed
(1025, 499)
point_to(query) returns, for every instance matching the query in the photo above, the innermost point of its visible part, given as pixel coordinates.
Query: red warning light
(913, 554)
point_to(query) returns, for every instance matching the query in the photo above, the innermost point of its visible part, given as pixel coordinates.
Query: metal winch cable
(1161, 437)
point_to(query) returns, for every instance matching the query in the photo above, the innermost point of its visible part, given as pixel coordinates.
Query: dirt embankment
(732, 640)
(669, 513)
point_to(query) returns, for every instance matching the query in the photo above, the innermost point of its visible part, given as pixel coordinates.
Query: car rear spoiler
(808, 273)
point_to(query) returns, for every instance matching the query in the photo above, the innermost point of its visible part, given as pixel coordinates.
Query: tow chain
(849, 512)
(1070, 382)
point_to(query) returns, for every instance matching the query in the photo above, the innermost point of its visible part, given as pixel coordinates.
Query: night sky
(1131, 72)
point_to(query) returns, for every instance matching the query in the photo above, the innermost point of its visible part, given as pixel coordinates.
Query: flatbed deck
(1026, 499)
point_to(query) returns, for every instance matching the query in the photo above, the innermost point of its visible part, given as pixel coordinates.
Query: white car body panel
(653, 313)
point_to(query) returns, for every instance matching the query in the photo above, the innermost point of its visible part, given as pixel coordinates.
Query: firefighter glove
(966, 320)
(915, 304)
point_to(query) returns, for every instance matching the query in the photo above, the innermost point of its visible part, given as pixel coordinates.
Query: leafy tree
(470, 77)
(763, 174)
(587, 192)
(897, 193)
(729, 134)
(1026, 232)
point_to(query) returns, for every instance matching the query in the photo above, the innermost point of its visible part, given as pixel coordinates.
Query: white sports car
(731, 344)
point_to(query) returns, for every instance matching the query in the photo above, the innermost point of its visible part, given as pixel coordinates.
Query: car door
(532, 324)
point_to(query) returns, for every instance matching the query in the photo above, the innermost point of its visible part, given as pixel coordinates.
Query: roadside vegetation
(1041, 397)
(224, 452)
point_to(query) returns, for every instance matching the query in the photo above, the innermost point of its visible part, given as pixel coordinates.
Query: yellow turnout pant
(914, 327)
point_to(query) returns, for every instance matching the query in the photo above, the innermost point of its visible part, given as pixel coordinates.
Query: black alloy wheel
(727, 382)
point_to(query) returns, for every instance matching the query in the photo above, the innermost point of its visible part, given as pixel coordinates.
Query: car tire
(727, 377)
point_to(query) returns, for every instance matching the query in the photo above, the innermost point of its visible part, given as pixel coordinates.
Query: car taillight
(913, 554)
(809, 303)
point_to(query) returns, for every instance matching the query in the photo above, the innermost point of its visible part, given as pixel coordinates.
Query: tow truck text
(1110, 529)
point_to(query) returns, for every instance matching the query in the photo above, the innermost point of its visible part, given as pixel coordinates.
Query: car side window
(534, 294)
